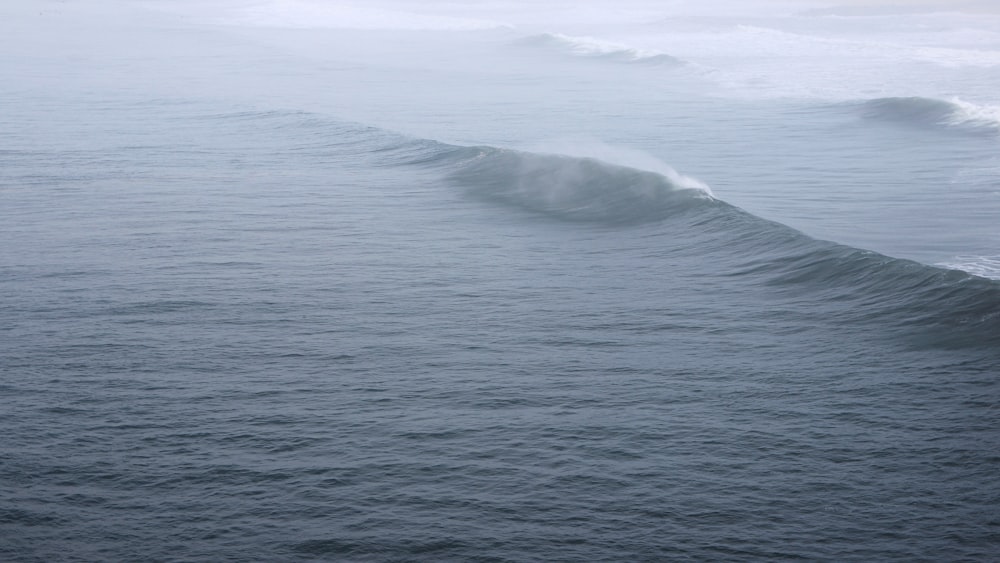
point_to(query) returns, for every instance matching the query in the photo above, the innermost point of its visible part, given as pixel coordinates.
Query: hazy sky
(952, 5)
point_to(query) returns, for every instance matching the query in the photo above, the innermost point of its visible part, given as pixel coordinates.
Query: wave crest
(576, 188)
(984, 266)
(594, 48)
(848, 287)
(934, 112)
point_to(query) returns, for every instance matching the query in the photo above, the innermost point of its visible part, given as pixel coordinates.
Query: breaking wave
(850, 287)
(845, 286)
(985, 266)
(931, 112)
(590, 47)
(575, 188)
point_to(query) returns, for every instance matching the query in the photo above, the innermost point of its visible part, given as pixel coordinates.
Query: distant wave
(590, 47)
(926, 112)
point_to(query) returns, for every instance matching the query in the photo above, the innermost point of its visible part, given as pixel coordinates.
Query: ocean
(314, 280)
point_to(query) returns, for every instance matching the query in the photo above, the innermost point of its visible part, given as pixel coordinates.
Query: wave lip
(576, 188)
(983, 266)
(931, 112)
(590, 47)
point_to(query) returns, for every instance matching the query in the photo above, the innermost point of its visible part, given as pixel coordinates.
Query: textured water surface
(295, 303)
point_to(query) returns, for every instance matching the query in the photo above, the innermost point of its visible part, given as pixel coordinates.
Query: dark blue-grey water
(365, 303)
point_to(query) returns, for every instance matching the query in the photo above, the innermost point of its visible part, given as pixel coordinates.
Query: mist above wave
(575, 188)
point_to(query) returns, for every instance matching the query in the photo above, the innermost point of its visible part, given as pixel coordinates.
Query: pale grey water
(244, 319)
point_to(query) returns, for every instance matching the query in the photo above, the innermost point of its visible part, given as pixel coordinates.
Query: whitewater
(499, 281)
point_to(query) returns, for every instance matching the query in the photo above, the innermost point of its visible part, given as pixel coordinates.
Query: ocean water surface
(319, 280)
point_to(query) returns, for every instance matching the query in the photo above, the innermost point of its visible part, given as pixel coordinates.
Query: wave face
(574, 188)
(589, 47)
(930, 112)
(851, 288)
(934, 307)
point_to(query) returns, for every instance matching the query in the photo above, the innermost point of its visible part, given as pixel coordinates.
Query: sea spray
(584, 147)
(579, 188)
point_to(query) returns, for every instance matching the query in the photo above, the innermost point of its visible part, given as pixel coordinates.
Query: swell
(846, 286)
(931, 112)
(592, 48)
(851, 287)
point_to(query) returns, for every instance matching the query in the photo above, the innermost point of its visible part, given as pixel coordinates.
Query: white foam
(594, 47)
(985, 266)
(802, 58)
(979, 115)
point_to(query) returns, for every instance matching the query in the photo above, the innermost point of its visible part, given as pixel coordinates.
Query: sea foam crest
(599, 49)
(934, 112)
(983, 266)
(979, 115)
